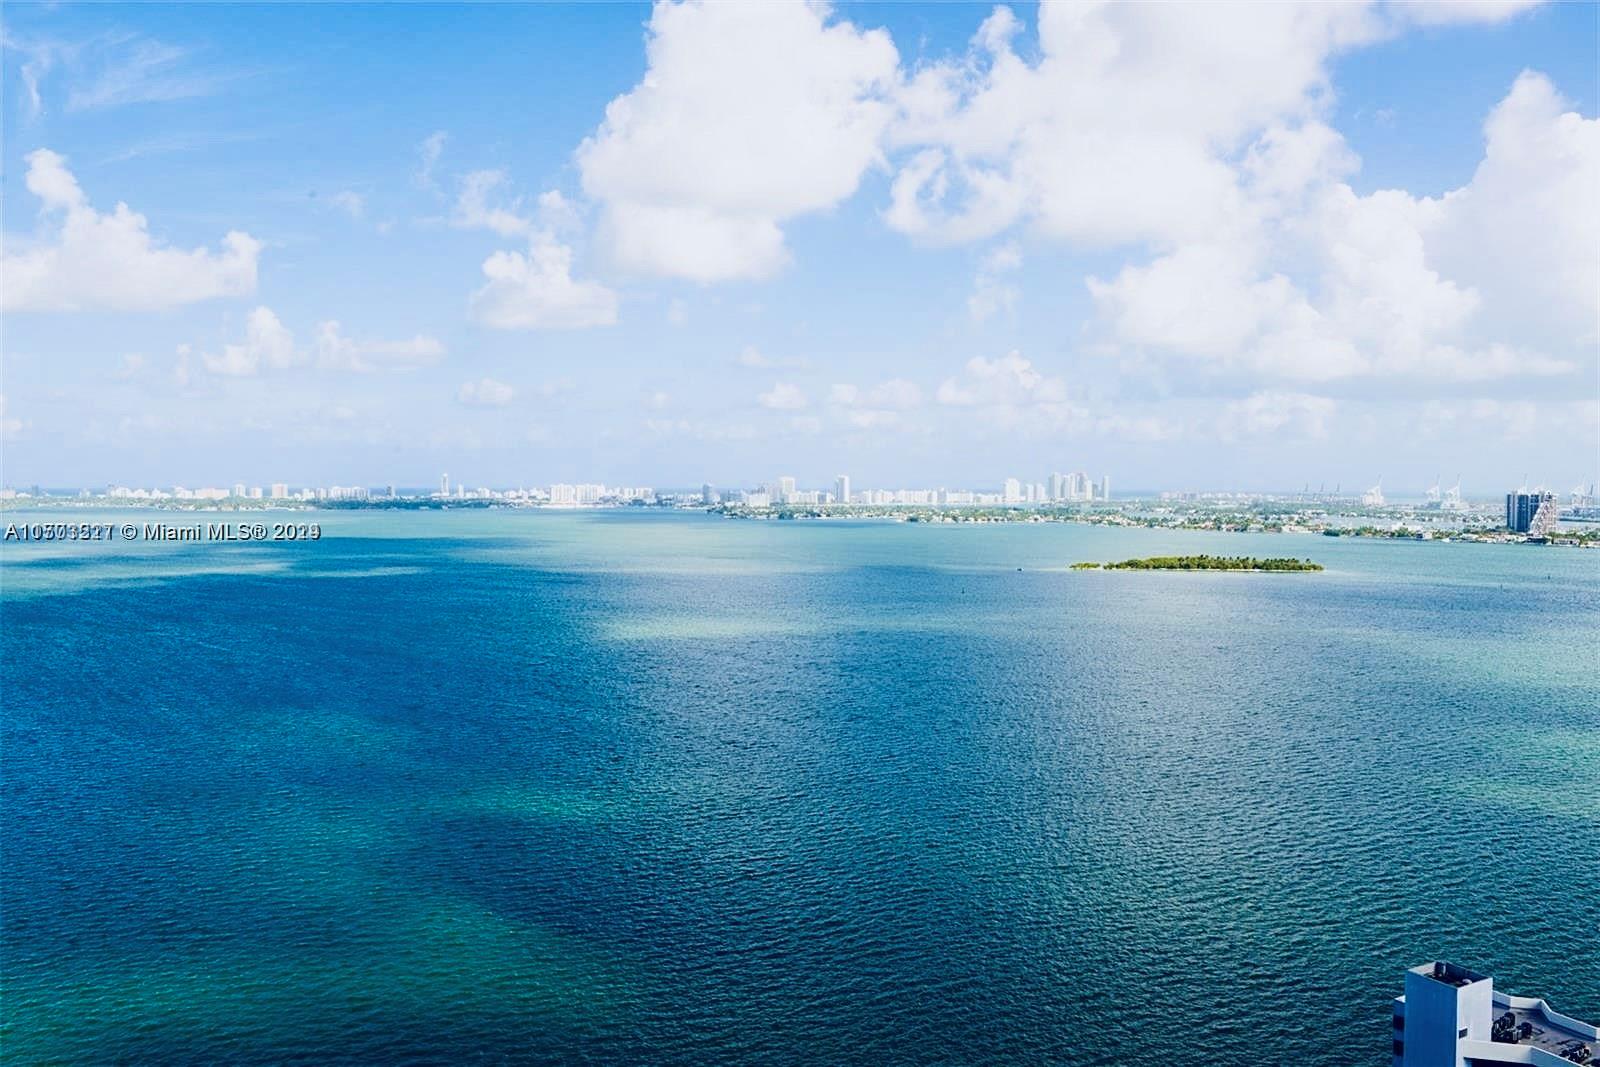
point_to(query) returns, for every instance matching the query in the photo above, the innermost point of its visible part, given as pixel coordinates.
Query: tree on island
(1205, 563)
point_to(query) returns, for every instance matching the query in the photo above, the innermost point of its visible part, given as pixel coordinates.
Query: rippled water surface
(675, 789)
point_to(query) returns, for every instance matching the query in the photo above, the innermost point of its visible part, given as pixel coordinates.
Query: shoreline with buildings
(1536, 517)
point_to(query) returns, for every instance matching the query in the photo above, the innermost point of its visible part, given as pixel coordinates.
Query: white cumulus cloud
(350, 202)
(1009, 391)
(880, 406)
(85, 260)
(1496, 279)
(428, 153)
(992, 292)
(1008, 380)
(268, 345)
(486, 392)
(476, 206)
(1267, 413)
(1445, 12)
(338, 352)
(1121, 130)
(895, 394)
(537, 291)
(1524, 231)
(748, 115)
(783, 396)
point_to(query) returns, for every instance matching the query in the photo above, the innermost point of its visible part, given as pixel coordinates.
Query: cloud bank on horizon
(1129, 232)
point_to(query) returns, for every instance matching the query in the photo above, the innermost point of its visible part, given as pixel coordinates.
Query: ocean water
(673, 789)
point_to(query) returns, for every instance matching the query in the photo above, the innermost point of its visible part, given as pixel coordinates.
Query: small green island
(1202, 563)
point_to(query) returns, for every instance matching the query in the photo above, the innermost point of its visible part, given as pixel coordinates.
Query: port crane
(1452, 497)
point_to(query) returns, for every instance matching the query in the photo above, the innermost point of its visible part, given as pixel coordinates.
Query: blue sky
(927, 245)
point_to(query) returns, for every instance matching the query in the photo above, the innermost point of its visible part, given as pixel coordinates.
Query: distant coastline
(1276, 516)
(1391, 523)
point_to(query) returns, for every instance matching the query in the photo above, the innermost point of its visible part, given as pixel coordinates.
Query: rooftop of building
(1520, 1025)
(1536, 1025)
(1451, 974)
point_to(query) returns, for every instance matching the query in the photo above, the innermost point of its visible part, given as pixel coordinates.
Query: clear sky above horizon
(1188, 246)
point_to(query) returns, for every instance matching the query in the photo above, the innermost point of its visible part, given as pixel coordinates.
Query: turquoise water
(618, 787)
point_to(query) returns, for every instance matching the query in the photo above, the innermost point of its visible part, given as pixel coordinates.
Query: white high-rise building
(1453, 1017)
(1105, 487)
(785, 489)
(280, 491)
(1011, 493)
(841, 489)
(444, 485)
(238, 490)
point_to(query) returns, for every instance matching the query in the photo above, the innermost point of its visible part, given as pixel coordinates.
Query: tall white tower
(1444, 1005)
(841, 489)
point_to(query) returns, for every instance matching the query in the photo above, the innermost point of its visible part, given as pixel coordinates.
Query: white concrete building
(1452, 1017)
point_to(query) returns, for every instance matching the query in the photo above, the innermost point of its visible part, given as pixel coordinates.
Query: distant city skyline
(1057, 487)
(922, 244)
